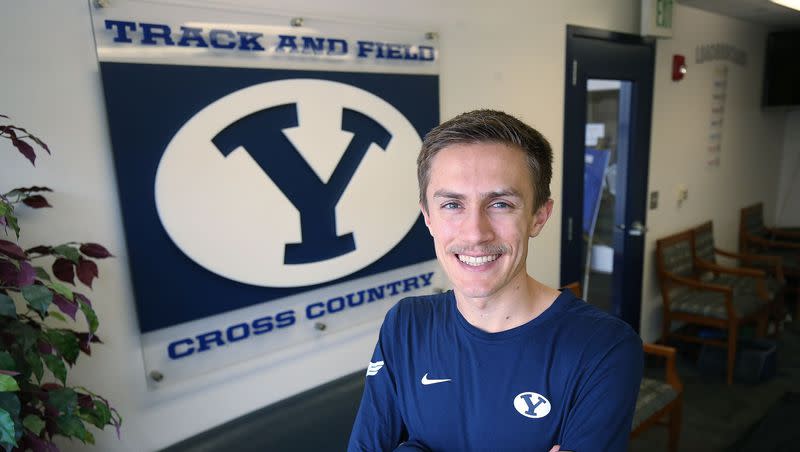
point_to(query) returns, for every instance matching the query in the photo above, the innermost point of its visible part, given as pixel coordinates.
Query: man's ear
(426, 217)
(540, 217)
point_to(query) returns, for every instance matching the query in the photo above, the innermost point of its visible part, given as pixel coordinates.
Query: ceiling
(763, 12)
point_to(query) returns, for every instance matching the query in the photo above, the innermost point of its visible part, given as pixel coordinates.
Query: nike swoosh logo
(427, 381)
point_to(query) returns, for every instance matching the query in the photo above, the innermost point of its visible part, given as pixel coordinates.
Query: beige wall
(502, 54)
(751, 141)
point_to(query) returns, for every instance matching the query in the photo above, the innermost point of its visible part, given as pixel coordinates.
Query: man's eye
(450, 205)
(501, 205)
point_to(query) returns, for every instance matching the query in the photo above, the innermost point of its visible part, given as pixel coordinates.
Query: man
(501, 362)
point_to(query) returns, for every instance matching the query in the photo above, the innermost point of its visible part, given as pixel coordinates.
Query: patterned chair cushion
(712, 304)
(653, 395)
(742, 285)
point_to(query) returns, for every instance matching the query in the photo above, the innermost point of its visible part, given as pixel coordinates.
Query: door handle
(637, 229)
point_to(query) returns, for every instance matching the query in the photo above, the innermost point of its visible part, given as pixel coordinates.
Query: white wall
(751, 141)
(787, 211)
(507, 55)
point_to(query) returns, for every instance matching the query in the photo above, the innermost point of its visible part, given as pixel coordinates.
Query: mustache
(481, 250)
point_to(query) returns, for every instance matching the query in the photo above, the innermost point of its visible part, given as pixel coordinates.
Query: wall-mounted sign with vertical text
(267, 180)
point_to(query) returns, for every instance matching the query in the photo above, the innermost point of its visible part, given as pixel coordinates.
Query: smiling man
(501, 362)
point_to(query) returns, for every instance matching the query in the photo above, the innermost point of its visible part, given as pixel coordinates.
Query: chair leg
(733, 338)
(675, 425)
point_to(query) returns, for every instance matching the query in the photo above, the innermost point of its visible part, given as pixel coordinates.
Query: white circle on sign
(532, 405)
(227, 215)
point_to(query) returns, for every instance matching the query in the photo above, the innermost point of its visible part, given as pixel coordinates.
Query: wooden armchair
(659, 402)
(760, 275)
(701, 304)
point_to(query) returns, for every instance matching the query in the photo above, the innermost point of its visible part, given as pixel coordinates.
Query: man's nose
(477, 227)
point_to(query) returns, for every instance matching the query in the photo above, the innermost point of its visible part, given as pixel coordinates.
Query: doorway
(607, 115)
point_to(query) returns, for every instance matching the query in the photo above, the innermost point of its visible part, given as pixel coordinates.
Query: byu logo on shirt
(532, 405)
(290, 183)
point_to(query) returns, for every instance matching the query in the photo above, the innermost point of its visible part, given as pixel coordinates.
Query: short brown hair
(490, 126)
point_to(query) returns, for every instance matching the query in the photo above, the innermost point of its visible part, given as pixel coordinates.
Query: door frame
(628, 249)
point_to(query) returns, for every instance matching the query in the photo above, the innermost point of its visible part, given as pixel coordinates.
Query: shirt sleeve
(601, 417)
(379, 425)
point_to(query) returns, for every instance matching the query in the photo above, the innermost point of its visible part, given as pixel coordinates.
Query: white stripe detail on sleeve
(373, 368)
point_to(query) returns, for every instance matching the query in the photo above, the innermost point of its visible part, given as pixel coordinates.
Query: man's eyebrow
(491, 194)
(447, 194)
(510, 192)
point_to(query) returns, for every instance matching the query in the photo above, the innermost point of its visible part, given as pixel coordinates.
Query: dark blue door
(607, 115)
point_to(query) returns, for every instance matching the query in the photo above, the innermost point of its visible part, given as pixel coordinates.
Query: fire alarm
(678, 67)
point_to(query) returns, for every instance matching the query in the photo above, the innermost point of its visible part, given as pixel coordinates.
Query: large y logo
(261, 134)
(290, 183)
(532, 405)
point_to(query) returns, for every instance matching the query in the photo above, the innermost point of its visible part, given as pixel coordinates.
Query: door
(607, 114)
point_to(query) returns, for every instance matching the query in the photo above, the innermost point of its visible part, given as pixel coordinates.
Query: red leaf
(64, 269)
(94, 250)
(11, 249)
(85, 401)
(38, 444)
(44, 347)
(51, 386)
(9, 273)
(2, 221)
(83, 343)
(41, 249)
(26, 275)
(83, 298)
(24, 148)
(87, 271)
(67, 307)
(36, 201)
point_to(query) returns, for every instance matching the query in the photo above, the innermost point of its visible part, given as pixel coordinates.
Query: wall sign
(266, 175)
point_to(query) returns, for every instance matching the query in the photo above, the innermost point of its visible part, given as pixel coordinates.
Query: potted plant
(39, 307)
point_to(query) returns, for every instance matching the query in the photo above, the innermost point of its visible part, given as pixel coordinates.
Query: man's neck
(517, 305)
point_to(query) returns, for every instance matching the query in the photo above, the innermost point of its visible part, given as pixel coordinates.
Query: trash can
(755, 360)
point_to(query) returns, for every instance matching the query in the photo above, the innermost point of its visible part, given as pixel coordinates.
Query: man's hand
(555, 448)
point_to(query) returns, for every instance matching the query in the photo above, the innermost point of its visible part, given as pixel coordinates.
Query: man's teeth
(477, 260)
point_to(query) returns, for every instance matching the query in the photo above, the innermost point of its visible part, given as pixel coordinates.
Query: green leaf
(6, 429)
(57, 315)
(9, 403)
(65, 400)
(72, 426)
(7, 307)
(8, 383)
(42, 274)
(91, 317)
(4, 208)
(65, 342)
(12, 221)
(33, 359)
(33, 423)
(38, 297)
(57, 366)
(7, 361)
(68, 252)
(61, 289)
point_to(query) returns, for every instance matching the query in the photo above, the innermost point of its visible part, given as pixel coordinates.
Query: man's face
(480, 214)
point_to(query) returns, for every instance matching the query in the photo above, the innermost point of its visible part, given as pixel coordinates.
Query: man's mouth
(477, 261)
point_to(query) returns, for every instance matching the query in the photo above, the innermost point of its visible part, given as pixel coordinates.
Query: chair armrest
(773, 243)
(738, 271)
(694, 284)
(699, 285)
(783, 232)
(670, 371)
(775, 262)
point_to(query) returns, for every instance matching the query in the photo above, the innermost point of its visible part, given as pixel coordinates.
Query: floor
(716, 415)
